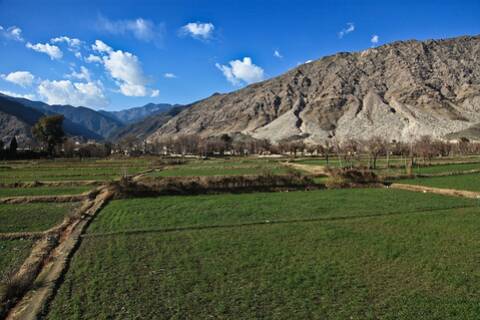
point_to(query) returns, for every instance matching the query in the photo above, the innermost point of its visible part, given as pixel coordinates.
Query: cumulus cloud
(141, 29)
(83, 74)
(198, 30)
(52, 51)
(21, 78)
(18, 95)
(125, 68)
(155, 93)
(350, 28)
(375, 39)
(93, 58)
(88, 94)
(170, 75)
(277, 54)
(100, 46)
(11, 33)
(241, 71)
(73, 44)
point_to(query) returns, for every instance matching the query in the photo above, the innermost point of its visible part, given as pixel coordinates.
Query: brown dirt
(312, 169)
(447, 192)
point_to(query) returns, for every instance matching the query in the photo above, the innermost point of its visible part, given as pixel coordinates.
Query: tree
(13, 146)
(375, 147)
(49, 132)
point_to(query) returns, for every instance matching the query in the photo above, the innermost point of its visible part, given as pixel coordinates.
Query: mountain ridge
(399, 91)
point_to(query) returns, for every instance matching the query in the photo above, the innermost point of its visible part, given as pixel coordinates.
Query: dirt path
(53, 262)
(313, 169)
(59, 198)
(447, 192)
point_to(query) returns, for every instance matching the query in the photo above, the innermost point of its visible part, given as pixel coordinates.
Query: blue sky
(118, 54)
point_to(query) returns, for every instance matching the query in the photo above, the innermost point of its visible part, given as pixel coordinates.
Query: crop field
(398, 267)
(469, 182)
(357, 253)
(43, 191)
(221, 168)
(69, 170)
(29, 217)
(13, 253)
(191, 211)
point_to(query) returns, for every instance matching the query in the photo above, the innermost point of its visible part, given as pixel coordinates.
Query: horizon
(120, 56)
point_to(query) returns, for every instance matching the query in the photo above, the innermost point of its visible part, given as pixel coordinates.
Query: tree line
(52, 141)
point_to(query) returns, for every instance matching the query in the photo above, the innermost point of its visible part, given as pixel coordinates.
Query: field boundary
(53, 261)
(442, 191)
(60, 198)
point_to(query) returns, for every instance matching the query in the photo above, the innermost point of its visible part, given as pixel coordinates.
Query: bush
(347, 177)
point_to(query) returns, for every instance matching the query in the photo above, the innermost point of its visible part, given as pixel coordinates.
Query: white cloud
(375, 39)
(155, 93)
(350, 28)
(170, 75)
(52, 51)
(88, 94)
(83, 74)
(198, 30)
(18, 95)
(100, 46)
(242, 71)
(125, 68)
(142, 29)
(73, 43)
(21, 78)
(93, 58)
(78, 55)
(277, 54)
(11, 33)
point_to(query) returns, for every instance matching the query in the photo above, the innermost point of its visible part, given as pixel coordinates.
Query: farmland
(470, 182)
(361, 252)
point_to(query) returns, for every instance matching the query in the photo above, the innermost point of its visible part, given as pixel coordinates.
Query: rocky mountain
(132, 115)
(399, 91)
(144, 128)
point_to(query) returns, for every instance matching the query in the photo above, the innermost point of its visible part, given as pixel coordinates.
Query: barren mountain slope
(398, 91)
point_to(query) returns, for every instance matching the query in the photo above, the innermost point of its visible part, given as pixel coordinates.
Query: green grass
(411, 266)
(32, 216)
(454, 167)
(185, 211)
(181, 171)
(43, 191)
(13, 253)
(470, 182)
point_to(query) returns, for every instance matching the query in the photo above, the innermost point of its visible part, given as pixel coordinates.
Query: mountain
(132, 115)
(398, 91)
(83, 121)
(147, 126)
(17, 118)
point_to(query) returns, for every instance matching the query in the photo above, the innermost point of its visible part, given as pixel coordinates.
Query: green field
(221, 168)
(32, 217)
(387, 267)
(470, 182)
(186, 211)
(43, 191)
(13, 253)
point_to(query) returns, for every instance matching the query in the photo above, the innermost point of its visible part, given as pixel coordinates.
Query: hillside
(132, 115)
(398, 91)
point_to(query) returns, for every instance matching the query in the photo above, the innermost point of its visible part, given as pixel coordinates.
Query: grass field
(470, 182)
(43, 191)
(13, 253)
(32, 217)
(186, 211)
(222, 167)
(390, 267)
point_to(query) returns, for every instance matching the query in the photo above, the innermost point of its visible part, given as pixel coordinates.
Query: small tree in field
(49, 132)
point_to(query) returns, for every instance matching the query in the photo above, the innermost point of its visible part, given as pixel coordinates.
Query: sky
(114, 55)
